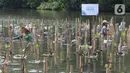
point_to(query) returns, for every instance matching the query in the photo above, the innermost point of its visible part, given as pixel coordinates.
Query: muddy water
(35, 58)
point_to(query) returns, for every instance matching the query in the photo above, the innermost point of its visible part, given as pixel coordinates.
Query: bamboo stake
(3, 33)
(61, 51)
(0, 46)
(35, 40)
(45, 65)
(77, 60)
(10, 37)
(88, 69)
(71, 69)
(38, 28)
(23, 58)
(55, 44)
(77, 37)
(89, 49)
(85, 41)
(116, 49)
(80, 64)
(67, 67)
(102, 59)
(42, 31)
(4, 65)
(94, 44)
(4, 68)
(48, 40)
(94, 68)
(77, 44)
(111, 61)
(93, 36)
(67, 51)
(119, 64)
(69, 45)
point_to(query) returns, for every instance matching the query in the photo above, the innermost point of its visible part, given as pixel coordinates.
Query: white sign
(119, 9)
(90, 9)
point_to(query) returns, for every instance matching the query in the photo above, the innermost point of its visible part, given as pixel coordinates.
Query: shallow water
(34, 62)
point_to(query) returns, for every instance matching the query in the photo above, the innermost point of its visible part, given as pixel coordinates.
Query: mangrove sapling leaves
(106, 65)
(37, 46)
(7, 46)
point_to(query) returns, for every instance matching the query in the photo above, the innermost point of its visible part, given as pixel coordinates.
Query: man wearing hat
(25, 33)
(104, 29)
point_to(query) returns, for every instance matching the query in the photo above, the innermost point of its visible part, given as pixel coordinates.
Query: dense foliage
(105, 5)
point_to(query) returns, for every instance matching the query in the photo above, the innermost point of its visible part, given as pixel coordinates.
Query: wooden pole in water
(86, 25)
(35, 39)
(69, 44)
(38, 38)
(67, 50)
(77, 37)
(77, 44)
(67, 66)
(119, 65)
(94, 44)
(45, 65)
(80, 64)
(71, 69)
(111, 61)
(51, 47)
(61, 48)
(94, 68)
(88, 68)
(108, 70)
(48, 41)
(89, 45)
(4, 68)
(55, 44)
(0, 46)
(92, 30)
(85, 38)
(10, 37)
(3, 33)
(42, 31)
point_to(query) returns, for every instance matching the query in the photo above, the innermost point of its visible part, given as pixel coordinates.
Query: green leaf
(7, 46)
(37, 46)
(106, 65)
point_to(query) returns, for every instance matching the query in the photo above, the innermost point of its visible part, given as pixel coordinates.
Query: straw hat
(104, 21)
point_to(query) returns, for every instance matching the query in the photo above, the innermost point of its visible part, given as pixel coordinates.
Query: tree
(33, 3)
(12, 3)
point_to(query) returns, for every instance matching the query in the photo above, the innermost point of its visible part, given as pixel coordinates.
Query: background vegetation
(105, 5)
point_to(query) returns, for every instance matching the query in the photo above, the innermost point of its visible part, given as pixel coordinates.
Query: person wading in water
(104, 32)
(25, 35)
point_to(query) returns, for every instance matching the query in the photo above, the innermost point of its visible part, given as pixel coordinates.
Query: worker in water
(104, 29)
(104, 33)
(25, 35)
